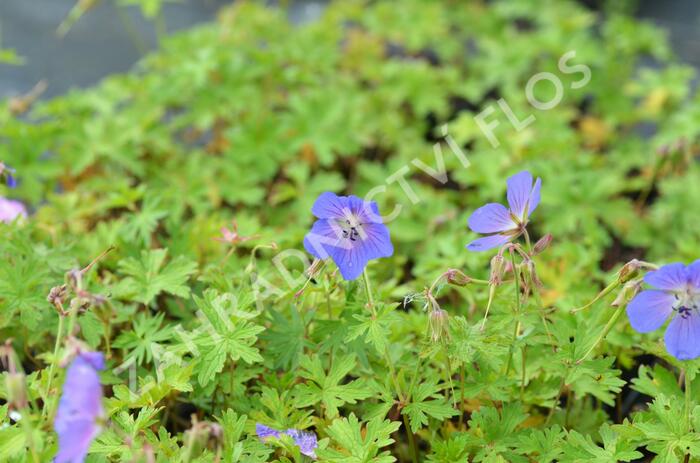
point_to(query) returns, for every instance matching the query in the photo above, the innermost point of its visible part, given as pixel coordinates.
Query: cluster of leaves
(251, 118)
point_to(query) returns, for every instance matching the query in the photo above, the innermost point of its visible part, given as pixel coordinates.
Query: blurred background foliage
(250, 117)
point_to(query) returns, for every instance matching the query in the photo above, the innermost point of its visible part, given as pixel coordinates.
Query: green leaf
(420, 407)
(150, 276)
(353, 444)
(327, 388)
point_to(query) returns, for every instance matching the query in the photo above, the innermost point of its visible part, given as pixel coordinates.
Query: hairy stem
(518, 308)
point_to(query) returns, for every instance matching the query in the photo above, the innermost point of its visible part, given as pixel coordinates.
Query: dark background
(99, 44)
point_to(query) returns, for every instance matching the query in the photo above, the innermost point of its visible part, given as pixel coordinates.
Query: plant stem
(492, 293)
(462, 373)
(368, 290)
(29, 430)
(54, 360)
(522, 373)
(387, 358)
(411, 440)
(688, 391)
(606, 330)
(516, 279)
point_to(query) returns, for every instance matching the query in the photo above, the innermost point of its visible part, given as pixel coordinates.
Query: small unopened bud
(57, 295)
(627, 293)
(532, 273)
(457, 278)
(497, 270)
(439, 323)
(75, 279)
(629, 271)
(15, 379)
(216, 432)
(542, 244)
(16, 384)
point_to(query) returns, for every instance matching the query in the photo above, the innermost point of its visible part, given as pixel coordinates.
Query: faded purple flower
(350, 231)
(265, 432)
(500, 223)
(678, 294)
(306, 441)
(11, 209)
(80, 408)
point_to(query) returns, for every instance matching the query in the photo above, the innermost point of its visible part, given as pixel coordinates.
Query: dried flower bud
(629, 270)
(457, 278)
(438, 321)
(497, 270)
(57, 295)
(74, 278)
(542, 244)
(628, 292)
(313, 269)
(532, 273)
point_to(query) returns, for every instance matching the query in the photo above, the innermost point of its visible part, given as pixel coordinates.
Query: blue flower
(265, 432)
(348, 230)
(80, 408)
(500, 223)
(306, 441)
(677, 294)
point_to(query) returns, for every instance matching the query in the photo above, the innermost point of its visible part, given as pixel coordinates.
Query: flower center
(351, 228)
(687, 303)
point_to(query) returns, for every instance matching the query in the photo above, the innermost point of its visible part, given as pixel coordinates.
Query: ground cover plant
(442, 231)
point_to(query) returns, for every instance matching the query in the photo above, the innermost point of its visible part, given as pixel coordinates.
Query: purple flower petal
(265, 432)
(80, 408)
(329, 206)
(351, 261)
(306, 441)
(489, 242)
(519, 191)
(74, 441)
(324, 235)
(534, 197)
(682, 336)
(649, 310)
(491, 218)
(11, 209)
(376, 242)
(671, 277)
(693, 273)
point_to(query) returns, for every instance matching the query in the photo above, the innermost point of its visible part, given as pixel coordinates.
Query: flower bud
(15, 380)
(628, 292)
(457, 278)
(439, 324)
(629, 270)
(531, 270)
(57, 295)
(16, 385)
(497, 270)
(542, 244)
